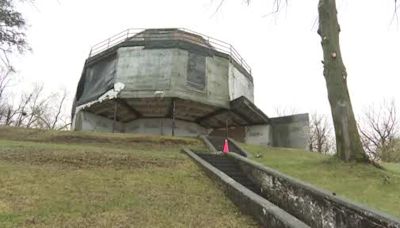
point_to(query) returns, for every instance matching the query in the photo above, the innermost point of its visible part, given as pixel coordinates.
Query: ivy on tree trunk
(348, 143)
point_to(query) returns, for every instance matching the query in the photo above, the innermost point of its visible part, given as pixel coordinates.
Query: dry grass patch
(106, 184)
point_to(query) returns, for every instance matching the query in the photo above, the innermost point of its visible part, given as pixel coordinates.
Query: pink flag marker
(226, 147)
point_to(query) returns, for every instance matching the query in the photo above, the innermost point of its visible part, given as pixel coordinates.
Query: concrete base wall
(289, 131)
(162, 126)
(237, 133)
(85, 121)
(259, 135)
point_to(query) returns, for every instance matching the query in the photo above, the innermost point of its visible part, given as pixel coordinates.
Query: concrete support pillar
(173, 117)
(115, 117)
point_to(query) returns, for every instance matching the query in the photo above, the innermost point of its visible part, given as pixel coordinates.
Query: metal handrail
(129, 34)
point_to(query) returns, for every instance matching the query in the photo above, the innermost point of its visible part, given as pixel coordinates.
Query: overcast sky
(283, 50)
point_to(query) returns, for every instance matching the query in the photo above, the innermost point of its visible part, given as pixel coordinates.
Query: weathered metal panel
(96, 79)
(196, 71)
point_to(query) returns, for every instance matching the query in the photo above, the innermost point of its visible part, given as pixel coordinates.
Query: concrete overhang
(242, 112)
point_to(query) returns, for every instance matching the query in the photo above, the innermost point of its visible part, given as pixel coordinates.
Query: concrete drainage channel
(277, 200)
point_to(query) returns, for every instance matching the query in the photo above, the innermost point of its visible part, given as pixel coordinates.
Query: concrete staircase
(230, 168)
(243, 192)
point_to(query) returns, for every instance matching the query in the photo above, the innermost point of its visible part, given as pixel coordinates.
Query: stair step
(223, 165)
(233, 167)
(230, 171)
(230, 168)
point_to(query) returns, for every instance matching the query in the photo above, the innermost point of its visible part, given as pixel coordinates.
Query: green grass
(83, 179)
(392, 154)
(365, 184)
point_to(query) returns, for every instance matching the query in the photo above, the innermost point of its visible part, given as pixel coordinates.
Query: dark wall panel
(196, 71)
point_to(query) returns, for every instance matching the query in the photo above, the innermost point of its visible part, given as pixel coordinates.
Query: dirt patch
(38, 135)
(78, 139)
(89, 160)
(88, 139)
(123, 140)
(4, 207)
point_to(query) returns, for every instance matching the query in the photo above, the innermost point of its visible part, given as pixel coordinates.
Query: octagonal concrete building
(175, 82)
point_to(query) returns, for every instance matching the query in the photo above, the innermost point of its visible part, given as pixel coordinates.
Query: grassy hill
(365, 184)
(71, 179)
(85, 179)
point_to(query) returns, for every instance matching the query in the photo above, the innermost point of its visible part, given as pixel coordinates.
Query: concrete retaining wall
(291, 131)
(287, 131)
(316, 207)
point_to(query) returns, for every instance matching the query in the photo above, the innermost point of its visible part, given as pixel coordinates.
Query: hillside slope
(54, 179)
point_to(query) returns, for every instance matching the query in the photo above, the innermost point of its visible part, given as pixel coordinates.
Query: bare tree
(320, 137)
(35, 109)
(4, 80)
(23, 106)
(379, 130)
(12, 39)
(59, 110)
(12, 32)
(53, 115)
(38, 106)
(7, 113)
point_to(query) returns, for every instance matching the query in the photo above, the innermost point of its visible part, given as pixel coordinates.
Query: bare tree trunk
(59, 111)
(348, 143)
(9, 116)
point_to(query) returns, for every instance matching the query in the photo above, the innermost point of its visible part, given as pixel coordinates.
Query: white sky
(284, 51)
